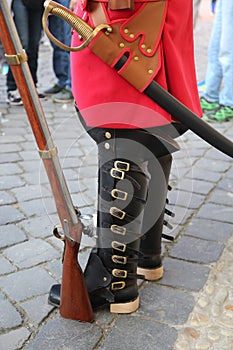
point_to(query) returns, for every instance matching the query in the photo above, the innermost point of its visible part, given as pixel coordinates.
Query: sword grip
(81, 27)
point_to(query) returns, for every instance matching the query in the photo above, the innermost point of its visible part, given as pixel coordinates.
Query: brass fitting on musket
(86, 32)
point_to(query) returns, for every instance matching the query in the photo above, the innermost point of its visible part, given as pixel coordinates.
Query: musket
(75, 303)
(154, 91)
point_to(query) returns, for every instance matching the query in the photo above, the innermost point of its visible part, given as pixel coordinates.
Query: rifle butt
(75, 303)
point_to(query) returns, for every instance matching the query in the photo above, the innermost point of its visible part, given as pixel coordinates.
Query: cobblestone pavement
(190, 308)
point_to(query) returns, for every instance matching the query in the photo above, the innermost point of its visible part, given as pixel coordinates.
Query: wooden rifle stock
(75, 302)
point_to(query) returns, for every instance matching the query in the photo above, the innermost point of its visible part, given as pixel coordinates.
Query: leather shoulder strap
(121, 4)
(138, 37)
(98, 14)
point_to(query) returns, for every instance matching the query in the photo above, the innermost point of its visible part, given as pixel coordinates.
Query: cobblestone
(10, 214)
(216, 212)
(211, 230)
(140, 334)
(5, 266)
(26, 284)
(14, 339)
(197, 250)
(10, 317)
(11, 234)
(184, 274)
(165, 304)
(31, 253)
(37, 309)
(8, 182)
(55, 333)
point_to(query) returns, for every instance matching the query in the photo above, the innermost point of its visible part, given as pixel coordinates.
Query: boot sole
(125, 308)
(151, 274)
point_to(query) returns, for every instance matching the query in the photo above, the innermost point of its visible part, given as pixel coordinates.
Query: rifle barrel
(17, 59)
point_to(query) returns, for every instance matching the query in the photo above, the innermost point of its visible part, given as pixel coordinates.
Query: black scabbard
(180, 112)
(184, 115)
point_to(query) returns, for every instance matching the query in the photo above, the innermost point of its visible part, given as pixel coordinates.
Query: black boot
(123, 186)
(151, 265)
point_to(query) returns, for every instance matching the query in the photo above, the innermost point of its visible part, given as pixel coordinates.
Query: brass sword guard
(81, 27)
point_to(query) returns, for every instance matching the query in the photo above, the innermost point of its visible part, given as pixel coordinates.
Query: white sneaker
(13, 98)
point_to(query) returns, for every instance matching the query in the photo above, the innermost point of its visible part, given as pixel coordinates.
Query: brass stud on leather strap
(108, 30)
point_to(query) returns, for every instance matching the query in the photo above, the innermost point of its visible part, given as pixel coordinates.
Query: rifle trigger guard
(58, 232)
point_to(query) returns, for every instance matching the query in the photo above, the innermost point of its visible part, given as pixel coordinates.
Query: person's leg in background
(213, 77)
(196, 4)
(35, 30)
(29, 26)
(4, 68)
(20, 15)
(217, 101)
(61, 91)
(226, 54)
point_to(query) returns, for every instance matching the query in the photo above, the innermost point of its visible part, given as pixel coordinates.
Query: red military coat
(105, 99)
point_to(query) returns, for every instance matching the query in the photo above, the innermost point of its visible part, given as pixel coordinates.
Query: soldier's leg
(111, 273)
(151, 265)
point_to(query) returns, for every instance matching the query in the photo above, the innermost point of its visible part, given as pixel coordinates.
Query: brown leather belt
(121, 4)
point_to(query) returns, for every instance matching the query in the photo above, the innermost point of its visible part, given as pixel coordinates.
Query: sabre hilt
(81, 27)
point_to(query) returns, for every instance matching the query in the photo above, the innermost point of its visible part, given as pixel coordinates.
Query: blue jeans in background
(29, 26)
(219, 74)
(61, 58)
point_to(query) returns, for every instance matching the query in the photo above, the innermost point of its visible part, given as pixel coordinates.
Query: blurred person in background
(3, 63)
(217, 100)
(27, 15)
(61, 91)
(196, 5)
